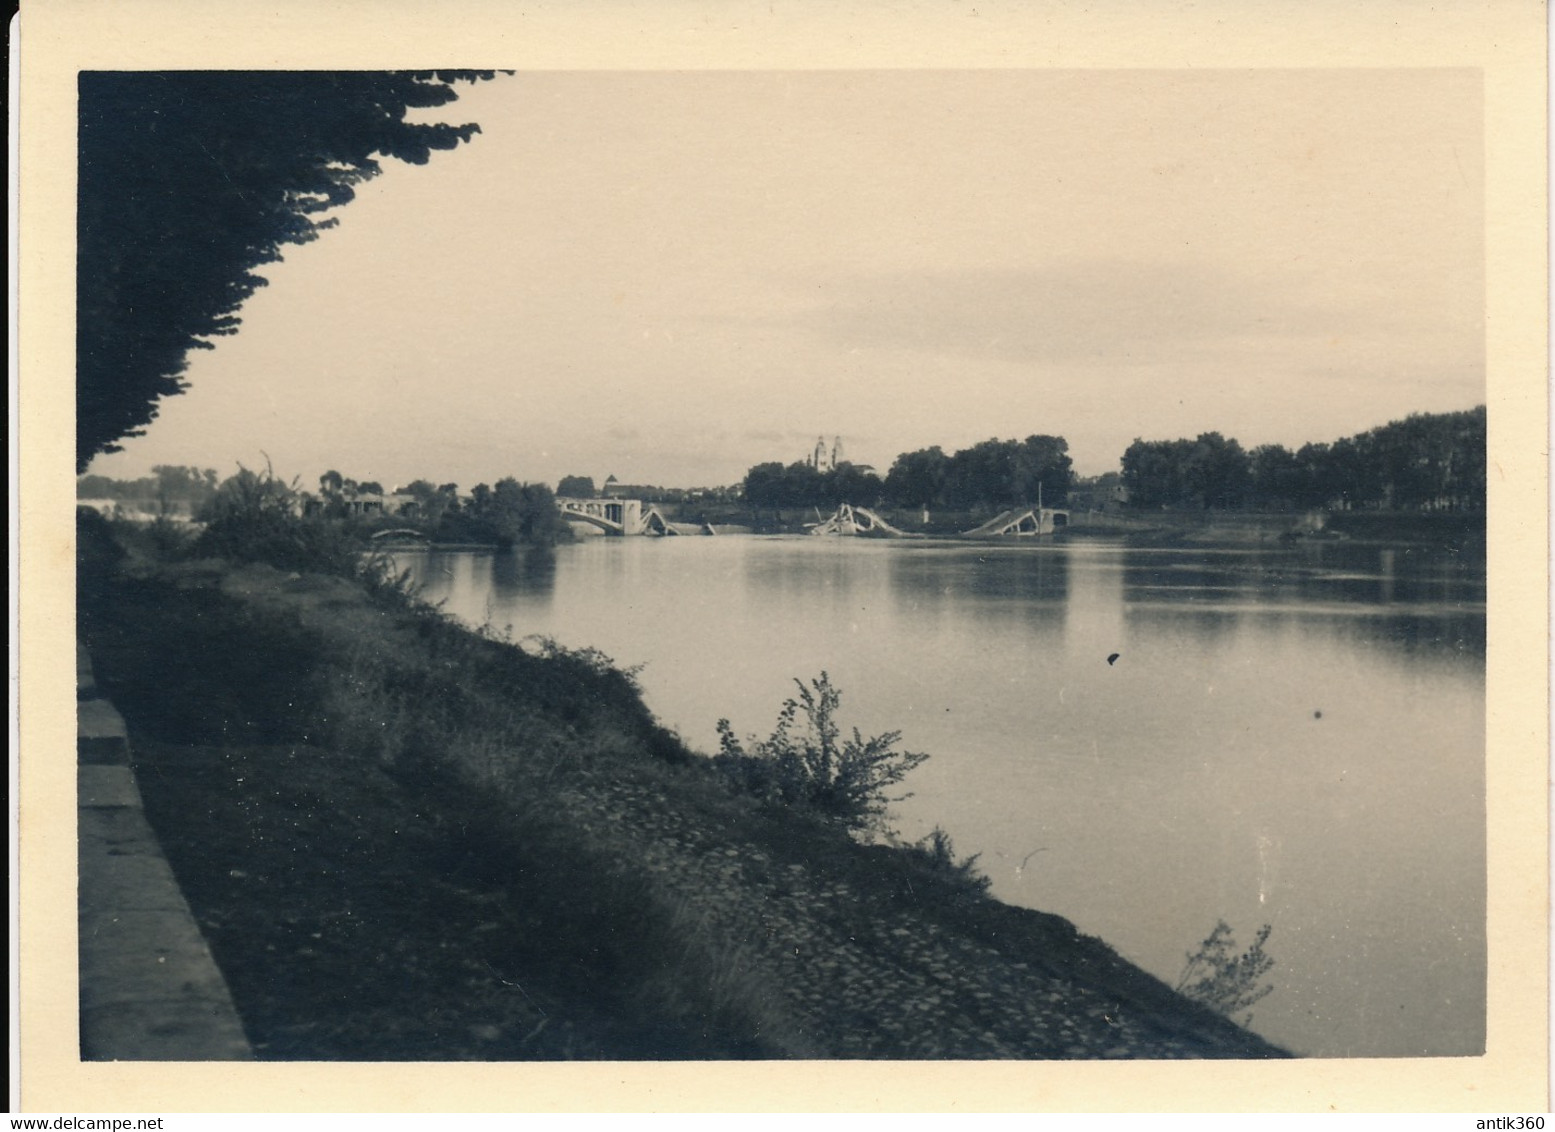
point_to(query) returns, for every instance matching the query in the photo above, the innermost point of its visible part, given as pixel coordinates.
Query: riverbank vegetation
(1425, 462)
(811, 765)
(991, 474)
(405, 839)
(1428, 461)
(505, 514)
(1226, 980)
(250, 507)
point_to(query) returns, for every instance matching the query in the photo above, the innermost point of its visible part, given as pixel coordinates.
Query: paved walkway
(150, 990)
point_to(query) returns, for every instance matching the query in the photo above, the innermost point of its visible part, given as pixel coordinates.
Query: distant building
(823, 459)
(366, 505)
(1099, 496)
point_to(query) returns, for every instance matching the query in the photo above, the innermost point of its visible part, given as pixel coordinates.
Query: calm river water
(1292, 736)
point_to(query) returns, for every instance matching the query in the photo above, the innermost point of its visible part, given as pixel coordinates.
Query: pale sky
(671, 276)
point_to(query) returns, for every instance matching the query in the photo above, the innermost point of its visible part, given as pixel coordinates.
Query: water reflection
(528, 573)
(1411, 599)
(1022, 584)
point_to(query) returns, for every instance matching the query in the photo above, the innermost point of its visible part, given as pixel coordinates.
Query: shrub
(1223, 980)
(170, 540)
(810, 765)
(98, 553)
(586, 662)
(253, 518)
(939, 853)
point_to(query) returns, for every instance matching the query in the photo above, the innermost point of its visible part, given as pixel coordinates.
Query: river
(1291, 736)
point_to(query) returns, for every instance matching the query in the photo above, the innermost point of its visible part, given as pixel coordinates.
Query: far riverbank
(1463, 531)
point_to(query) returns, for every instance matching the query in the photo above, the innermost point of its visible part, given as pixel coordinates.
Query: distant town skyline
(672, 276)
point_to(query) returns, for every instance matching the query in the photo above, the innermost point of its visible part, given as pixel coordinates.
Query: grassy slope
(406, 841)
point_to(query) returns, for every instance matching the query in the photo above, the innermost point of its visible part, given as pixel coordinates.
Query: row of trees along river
(1426, 461)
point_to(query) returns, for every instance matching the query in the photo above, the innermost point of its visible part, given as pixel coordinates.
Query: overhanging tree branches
(188, 181)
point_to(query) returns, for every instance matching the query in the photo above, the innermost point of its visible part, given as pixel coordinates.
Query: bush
(846, 780)
(98, 553)
(939, 854)
(1223, 980)
(253, 517)
(170, 540)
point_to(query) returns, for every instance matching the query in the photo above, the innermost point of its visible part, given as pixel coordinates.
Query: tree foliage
(990, 474)
(1002, 473)
(804, 485)
(507, 514)
(188, 181)
(256, 517)
(1209, 471)
(917, 479)
(1432, 461)
(168, 485)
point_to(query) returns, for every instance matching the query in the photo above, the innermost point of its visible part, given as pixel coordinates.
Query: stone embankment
(150, 990)
(854, 973)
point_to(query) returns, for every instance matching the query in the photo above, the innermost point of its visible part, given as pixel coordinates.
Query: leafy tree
(178, 484)
(1274, 477)
(1312, 465)
(523, 512)
(1344, 474)
(763, 485)
(1042, 470)
(1217, 472)
(1209, 471)
(431, 503)
(1425, 461)
(804, 485)
(917, 479)
(105, 487)
(982, 475)
(1004, 473)
(1154, 472)
(851, 483)
(507, 514)
(188, 181)
(576, 487)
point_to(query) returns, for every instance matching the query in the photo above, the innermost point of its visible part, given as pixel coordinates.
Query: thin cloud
(1094, 311)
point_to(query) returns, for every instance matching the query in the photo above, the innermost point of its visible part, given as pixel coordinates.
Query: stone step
(86, 683)
(101, 737)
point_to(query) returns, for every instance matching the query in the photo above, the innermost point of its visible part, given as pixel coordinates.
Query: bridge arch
(613, 516)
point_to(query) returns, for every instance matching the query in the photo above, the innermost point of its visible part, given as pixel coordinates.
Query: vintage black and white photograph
(754, 564)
